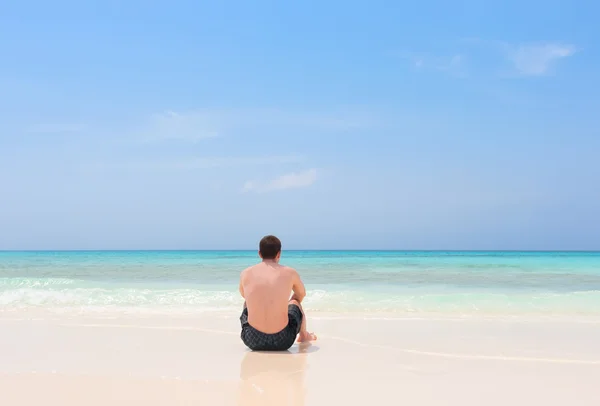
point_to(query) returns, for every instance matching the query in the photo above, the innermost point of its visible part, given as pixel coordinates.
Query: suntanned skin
(267, 287)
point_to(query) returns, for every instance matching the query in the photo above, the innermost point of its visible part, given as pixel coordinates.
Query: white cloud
(536, 59)
(177, 126)
(294, 180)
(451, 64)
(249, 185)
(527, 59)
(196, 125)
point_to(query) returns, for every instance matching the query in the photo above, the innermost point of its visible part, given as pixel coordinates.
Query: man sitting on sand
(271, 320)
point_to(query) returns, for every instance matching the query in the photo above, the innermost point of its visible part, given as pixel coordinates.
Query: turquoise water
(173, 282)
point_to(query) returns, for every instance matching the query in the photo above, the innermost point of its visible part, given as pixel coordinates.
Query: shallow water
(507, 283)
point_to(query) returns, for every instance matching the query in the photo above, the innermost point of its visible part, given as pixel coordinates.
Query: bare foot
(305, 337)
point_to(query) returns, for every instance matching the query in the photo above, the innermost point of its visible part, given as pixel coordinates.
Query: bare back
(267, 288)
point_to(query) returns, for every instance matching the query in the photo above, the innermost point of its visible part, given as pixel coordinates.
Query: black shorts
(281, 341)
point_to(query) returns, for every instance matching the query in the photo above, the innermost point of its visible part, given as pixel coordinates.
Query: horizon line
(300, 250)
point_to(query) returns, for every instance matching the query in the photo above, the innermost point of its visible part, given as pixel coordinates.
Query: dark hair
(269, 247)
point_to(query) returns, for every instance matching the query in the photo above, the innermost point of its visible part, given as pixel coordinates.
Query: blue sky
(185, 124)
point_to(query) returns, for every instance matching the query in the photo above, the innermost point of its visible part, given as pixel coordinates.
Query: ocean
(361, 282)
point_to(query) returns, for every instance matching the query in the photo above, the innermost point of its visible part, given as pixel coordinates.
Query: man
(271, 320)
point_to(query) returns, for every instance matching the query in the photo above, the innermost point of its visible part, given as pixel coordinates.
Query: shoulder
(246, 272)
(289, 270)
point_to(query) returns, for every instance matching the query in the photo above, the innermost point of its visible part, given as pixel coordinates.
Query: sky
(331, 124)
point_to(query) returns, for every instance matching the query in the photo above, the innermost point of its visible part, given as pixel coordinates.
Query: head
(270, 248)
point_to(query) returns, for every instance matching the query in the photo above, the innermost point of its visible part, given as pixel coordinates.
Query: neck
(269, 261)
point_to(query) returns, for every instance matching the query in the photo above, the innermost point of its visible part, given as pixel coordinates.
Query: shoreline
(142, 314)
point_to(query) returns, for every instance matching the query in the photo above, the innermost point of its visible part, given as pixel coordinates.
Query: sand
(159, 360)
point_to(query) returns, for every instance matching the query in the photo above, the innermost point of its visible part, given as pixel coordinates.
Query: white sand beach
(356, 361)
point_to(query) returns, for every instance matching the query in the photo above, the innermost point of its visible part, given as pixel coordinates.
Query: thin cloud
(179, 126)
(453, 64)
(294, 180)
(525, 59)
(443, 64)
(537, 59)
(196, 125)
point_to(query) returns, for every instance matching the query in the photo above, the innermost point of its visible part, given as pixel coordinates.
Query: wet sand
(356, 361)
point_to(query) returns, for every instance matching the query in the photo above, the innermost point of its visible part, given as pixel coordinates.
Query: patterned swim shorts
(281, 341)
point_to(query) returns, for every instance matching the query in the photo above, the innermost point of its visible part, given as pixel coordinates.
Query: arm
(241, 287)
(297, 287)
